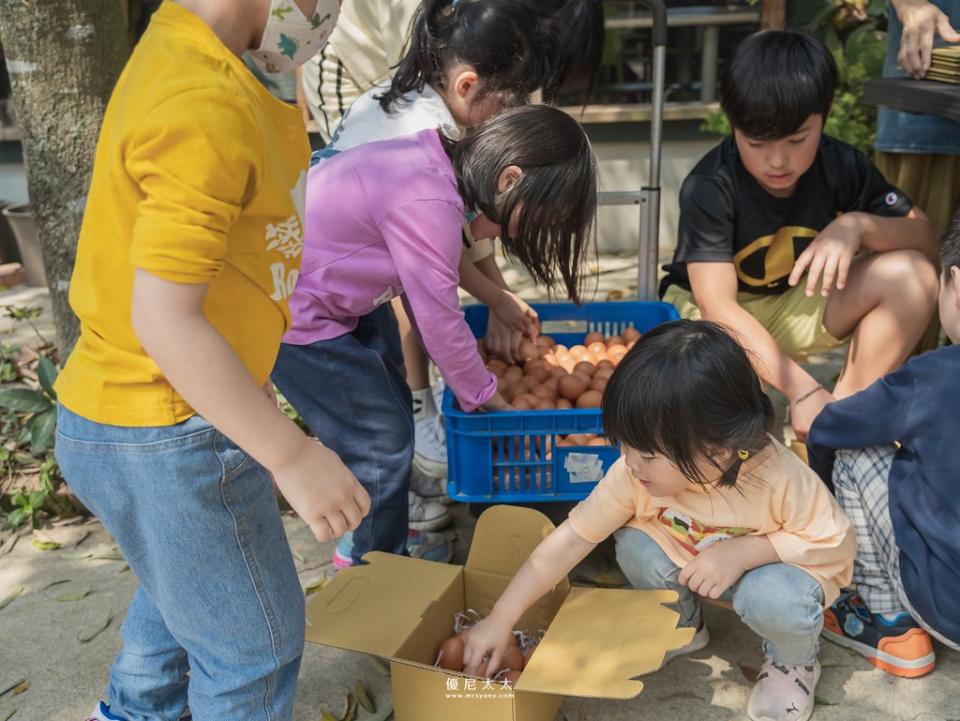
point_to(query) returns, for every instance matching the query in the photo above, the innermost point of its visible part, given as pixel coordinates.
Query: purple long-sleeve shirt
(382, 220)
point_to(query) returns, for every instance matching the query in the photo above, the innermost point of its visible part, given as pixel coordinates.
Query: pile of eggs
(512, 663)
(554, 377)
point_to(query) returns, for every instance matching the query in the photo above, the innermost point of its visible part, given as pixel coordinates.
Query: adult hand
(830, 255)
(921, 21)
(322, 490)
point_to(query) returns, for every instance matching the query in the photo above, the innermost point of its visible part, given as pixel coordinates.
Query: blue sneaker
(898, 645)
(427, 546)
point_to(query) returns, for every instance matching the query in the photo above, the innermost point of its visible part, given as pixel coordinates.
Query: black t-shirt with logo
(726, 215)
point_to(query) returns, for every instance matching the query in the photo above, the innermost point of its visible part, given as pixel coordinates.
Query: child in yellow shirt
(706, 503)
(189, 249)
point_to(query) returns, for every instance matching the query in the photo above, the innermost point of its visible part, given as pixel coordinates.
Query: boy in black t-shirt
(779, 209)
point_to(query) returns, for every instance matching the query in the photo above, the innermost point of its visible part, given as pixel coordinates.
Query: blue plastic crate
(513, 456)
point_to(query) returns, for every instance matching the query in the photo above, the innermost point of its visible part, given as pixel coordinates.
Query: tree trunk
(63, 57)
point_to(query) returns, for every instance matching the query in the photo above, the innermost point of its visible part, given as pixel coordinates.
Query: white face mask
(290, 38)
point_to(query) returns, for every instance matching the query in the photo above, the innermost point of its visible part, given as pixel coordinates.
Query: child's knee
(907, 277)
(779, 596)
(642, 560)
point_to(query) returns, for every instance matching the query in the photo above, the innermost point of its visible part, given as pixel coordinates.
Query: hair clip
(743, 455)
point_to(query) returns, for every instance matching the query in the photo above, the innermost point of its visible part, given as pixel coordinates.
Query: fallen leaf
(44, 545)
(820, 701)
(830, 664)
(75, 596)
(94, 630)
(298, 557)
(5, 601)
(21, 687)
(326, 716)
(363, 698)
(380, 665)
(11, 684)
(749, 672)
(385, 712)
(351, 714)
(8, 545)
(66, 537)
(55, 583)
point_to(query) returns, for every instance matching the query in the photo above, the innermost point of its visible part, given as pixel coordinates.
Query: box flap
(504, 537)
(374, 608)
(601, 640)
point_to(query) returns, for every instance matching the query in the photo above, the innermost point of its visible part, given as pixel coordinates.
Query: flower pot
(8, 244)
(20, 218)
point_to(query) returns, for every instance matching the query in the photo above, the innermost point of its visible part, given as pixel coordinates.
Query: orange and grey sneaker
(898, 645)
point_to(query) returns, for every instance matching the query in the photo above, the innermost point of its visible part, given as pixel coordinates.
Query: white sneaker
(700, 640)
(783, 693)
(430, 447)
(427, 515)
(428, 488)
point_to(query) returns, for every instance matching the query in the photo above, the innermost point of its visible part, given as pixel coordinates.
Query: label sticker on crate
(584, 467)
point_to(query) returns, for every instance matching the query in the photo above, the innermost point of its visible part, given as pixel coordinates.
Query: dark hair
(575, 36)
(950, 245)
(775, 81)
(556, 196)
(687, 390)
(500, 39)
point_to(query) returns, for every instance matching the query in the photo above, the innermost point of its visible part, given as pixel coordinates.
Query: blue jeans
(352, 394)
(780, 603)
(198, 522)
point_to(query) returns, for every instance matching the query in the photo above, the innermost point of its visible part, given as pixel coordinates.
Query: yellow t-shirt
(777, 495)
(199, 177)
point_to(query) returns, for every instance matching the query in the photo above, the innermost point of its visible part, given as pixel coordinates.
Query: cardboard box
(597, 640)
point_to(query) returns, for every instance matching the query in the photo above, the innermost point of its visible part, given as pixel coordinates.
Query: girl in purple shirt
(384, 220)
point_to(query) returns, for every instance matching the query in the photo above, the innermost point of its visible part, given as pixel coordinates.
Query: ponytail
(502, 40)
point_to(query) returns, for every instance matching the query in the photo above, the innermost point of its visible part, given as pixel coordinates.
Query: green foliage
(855, 32)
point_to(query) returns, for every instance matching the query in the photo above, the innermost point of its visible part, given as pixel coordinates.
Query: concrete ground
(71, 593)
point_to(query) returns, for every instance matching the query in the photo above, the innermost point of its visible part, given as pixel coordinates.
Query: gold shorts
(794, 320)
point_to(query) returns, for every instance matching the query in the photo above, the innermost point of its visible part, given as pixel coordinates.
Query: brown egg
(527, 350)
(512, 659)
(604, 373)
(543, 405)
(630, 335)
(585, 368)
(568, 364)
(563, 404)
(551, 383)
(451, 654)
(546, 341)
(550, 359)
(593, 337)
(544, 394)
(605, 365)
(497, 367)
(614, 340)
(578, 351)
(590, 399)
(583, 376)
(515, 390)
(557, 373)
(599, 441)
(565, 440)
(560, 350)
(571, 387)
(530, 381)
(578, 439)
(599, 384)
(513, 374)
(521, 403)
(616, 353)
(597, 348)
(540, 372)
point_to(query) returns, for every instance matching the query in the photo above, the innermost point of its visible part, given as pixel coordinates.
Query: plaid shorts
(861, 478)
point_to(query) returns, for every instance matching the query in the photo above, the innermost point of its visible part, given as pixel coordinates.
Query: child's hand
(713, 570)
(487, 640)
(322, 490)
(804, 413)
(830, 254)
(511, 318)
